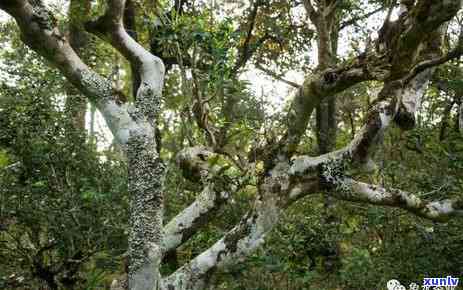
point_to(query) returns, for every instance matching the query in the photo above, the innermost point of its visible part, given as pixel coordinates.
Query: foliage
(63, 202)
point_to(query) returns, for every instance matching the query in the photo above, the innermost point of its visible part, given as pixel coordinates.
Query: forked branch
(110, 27)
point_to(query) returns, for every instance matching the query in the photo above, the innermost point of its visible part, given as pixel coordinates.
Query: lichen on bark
(99, 87)
(146, 175)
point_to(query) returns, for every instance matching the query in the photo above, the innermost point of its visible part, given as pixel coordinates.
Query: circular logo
(393, 284)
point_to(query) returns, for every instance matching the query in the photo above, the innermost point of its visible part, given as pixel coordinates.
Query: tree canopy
(230, 144)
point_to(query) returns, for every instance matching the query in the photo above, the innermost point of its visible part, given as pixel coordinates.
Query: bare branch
(351, 190)
(424, 20)
(354, 20)
(287, 182)
(206, 205)
(277, 76)
(359, 151)
(244, 52)
(368, 66)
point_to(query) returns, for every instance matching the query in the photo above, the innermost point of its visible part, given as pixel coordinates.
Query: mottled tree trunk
(327, 40)
(146, 174)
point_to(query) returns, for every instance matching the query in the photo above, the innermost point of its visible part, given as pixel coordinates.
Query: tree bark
(76, 103)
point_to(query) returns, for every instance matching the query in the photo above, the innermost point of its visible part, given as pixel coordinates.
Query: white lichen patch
(334, 173)
(146, 175)
(95, 84)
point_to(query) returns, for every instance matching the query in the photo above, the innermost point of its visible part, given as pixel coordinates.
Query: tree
(402, 60)
(42, 179)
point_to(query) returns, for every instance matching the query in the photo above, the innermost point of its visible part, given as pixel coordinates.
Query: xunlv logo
(432, 282)
(448, 283)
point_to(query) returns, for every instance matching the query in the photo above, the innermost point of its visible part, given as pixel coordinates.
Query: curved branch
(145, 167)
(197, 165)
(351, 190)
(359, 151)
(244, 52)
(207, 204)
(240, 241)
(421, 66)
(39, 32)
(409, 35)
(110, 27)
(316, 88)
(289, 181)
(423, 20)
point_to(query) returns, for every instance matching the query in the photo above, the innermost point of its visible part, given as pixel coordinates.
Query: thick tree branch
(237, 244)
(196, 165)
(39, 32)
(351, 190)
(421, 66)
(206, 206)
(286, 183)
(402, 53)
(129, 125)
(283, 183)
(360, 150)
(414, 28)
(316, 88)
(245, 237)
(110, 27)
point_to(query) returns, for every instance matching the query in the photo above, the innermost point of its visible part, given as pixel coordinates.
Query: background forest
(64, 197)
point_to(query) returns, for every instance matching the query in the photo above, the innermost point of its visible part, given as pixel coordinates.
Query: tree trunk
(146, 174)
(326, 123)
(76, 103)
